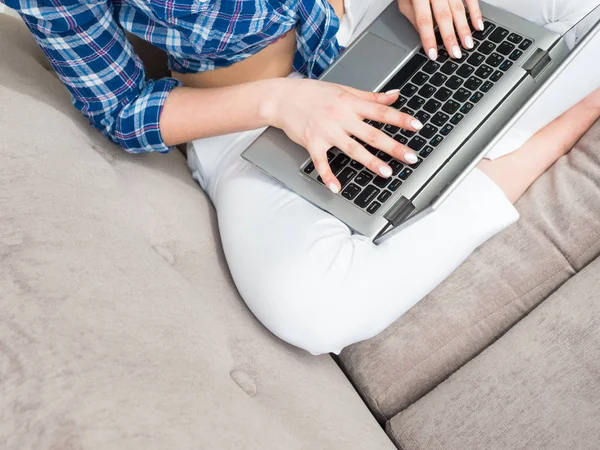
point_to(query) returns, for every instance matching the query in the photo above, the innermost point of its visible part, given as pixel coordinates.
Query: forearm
(194, 113)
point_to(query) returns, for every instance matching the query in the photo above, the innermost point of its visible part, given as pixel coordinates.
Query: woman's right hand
(319, 115)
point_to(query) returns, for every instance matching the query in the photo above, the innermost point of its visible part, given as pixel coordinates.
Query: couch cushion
(535, 388)
(119, 324)
(498, 285)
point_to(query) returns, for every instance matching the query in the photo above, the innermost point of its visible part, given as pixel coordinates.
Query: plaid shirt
(86, 44)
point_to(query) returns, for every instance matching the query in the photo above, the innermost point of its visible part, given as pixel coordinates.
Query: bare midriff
(273, 61)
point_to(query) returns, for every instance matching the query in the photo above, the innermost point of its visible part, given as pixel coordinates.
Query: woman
(302, 272)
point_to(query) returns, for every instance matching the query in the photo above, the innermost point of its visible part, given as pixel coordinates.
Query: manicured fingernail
(385, 171)
(480, 25)
(334, 188)
(392, 92)
(456, 52)
(433, 54)
(410, 158)
(416, 124)
(469, 42)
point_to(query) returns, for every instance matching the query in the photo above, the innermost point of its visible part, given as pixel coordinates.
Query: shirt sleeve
(92, 56)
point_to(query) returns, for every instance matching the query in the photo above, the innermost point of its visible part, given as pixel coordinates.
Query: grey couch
(120, 327)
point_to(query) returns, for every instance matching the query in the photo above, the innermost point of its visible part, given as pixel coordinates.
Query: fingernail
(410, 158)
(334, 188)
(385, 171)
(469, 42)
(416, 124)
(480, 25)
(433, 54)
(456, 52)
(393, 91)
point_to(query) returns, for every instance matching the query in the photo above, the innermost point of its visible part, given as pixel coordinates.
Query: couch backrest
(119, 324)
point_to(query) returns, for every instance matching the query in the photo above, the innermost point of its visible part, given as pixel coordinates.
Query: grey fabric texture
(501, 282)
(535, 388)
(120, 327)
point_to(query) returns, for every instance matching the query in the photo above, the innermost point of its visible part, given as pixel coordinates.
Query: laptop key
(427, 91)
(416, 143)
(439, 119)
(498, 35)
(476, 97)
(484, 71)
(346, 175)
(396, 166)
(514, 38)
(367, 196)
(443, 94)
(466, 108)
(451, 107)
(416, 102)
(339, 162)
(399, 103)
(494, 60)
(384, 196)
(446, 130)
(436, 141)
(476, 59)
(485, 87)
(408, 133)
(356, 165)
(496, 76)
(456, 119)
(432, 106)
(351, 191)
(442, 56)
(428, 131)
(309, 168)
(417, 164)
(408, 90)
(394, 185)
(391, 129)
(430, 67)
(506, 65)
(363, 178)
(505, 48)
(461, 95)
(373, 207)
(426, 151)
(488, 28)
(384, 156)
(487, 47)
(465, 71)
(408, 111)
(525, 44)
(380, 181)
(473, 83)
(420, 79)
(405, 174)
(516, 55)
(449, 67)
(454, 82)
(401, 139)
(438, 79)
(422, 117)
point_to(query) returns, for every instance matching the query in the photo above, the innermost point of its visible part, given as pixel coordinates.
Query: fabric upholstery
(536, 388)
(119, 324)
(507, 277)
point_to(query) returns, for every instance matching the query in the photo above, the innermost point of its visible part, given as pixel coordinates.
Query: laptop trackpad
(367, 63)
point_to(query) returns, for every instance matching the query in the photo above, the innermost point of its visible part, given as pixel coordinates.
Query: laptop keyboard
(440, 94)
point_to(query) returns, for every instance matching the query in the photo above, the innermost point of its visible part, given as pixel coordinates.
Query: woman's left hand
(451, 18)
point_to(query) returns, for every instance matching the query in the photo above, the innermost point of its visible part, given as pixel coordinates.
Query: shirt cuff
(138, 125)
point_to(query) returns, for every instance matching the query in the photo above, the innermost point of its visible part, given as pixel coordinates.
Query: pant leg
(576, 82)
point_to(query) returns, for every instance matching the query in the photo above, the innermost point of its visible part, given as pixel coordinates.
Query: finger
(384, 98)
(445, 21)
(461, 24)
(475, 12)
(359, 153)
(391, 116)
(381, 141)
(424, 25)
(318, 154)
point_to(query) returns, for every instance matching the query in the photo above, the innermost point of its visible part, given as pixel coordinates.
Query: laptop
(466, 105)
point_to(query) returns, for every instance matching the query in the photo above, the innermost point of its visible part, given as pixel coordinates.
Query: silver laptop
(466, 106)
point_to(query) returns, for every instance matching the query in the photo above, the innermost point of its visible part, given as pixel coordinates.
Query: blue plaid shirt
(86, 44)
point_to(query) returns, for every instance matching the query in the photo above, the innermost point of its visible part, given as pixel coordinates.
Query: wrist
(271, 93)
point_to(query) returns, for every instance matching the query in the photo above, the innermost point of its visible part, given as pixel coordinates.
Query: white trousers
(305, 275)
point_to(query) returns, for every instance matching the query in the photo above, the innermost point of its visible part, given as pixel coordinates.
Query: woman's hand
(451, 18)
(319, 115)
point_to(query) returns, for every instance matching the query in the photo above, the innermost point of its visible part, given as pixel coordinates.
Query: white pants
(305, 275)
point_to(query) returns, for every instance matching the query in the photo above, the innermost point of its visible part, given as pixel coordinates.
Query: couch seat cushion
(120, 327)
(498, 285)
(535, 388)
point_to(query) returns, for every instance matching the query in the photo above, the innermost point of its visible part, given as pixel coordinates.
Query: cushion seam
(377, 399)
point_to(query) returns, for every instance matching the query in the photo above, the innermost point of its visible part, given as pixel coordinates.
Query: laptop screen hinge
(536, 64)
